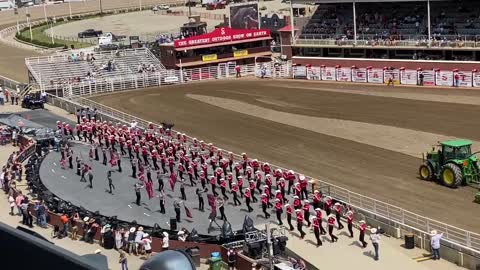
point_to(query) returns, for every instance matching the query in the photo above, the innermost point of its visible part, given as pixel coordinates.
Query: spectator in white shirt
(147, 244)
(375, 238)
(435, 238)
(165, 239)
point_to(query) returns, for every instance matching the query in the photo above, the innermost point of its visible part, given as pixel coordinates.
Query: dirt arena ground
(365, 138)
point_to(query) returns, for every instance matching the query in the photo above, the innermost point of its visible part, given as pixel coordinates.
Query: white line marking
(129, 206)
(146, 214)
(53, 170)
(54, 164)
(64, 177)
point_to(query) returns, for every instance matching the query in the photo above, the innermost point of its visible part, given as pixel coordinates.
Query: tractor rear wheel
(451, 175)
(426, 172)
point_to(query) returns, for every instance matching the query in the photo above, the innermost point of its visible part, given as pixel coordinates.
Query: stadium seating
(60, 69)
(451, 20)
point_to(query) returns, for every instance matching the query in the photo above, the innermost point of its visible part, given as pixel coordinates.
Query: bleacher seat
(60, 69)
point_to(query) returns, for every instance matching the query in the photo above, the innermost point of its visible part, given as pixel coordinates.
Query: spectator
(147, 245)
(435, 238)
(138, 240)
(64, 220)
(11, 201)
(232, 259)
(123, 260)
(375, 238)
(2, 98)
(165, 241)
(18, 201)
(131, 240)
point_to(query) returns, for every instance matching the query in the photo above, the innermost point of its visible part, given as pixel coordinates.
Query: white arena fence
(454, 237)
(171, 76)
(403, 76)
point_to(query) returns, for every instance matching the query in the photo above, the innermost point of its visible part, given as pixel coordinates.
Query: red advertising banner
(224, 34)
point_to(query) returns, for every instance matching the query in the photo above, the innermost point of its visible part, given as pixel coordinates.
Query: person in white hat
(264, 199)
(375, 238)
(165, 241)
(278, 211)
(306, 212)
(331, 225)
(147, 245)
(300, 222)
(349, 217)
(435, 238)
(289, 211)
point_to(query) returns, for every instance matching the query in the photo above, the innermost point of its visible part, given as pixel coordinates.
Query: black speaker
(173, 224)
(254, 250)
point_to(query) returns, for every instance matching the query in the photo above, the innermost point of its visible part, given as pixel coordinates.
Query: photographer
(375, 238)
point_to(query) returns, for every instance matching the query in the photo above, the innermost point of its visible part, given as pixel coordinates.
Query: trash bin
(196, 256)
(409, 241)
(215, 263)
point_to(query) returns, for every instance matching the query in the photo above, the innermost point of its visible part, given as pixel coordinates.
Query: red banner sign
(223, 34)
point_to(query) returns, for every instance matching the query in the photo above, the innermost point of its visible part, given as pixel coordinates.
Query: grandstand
(55, 71)
(403, 25)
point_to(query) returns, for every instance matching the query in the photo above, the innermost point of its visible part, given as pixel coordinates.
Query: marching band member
(338, 214)
(300, 223)
(289, 211)
(264, 199)
(318, 215)
(331, 224)
(248, 199)
(316, 230)
(306, 212)
(362, 228)
(278, 211)
(349, 217)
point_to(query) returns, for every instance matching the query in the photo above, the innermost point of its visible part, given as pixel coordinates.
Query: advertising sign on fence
(476, 79)
(464, 78)
(391, 74)
(375, 75)
(408, 76)
(428, 77)
(359, 75)
(444, 78)
(328, 73)
(300, 72)
(313, 73)
(344, 74)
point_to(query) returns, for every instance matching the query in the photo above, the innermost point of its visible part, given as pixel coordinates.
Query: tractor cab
(452, 164)
(455, 150)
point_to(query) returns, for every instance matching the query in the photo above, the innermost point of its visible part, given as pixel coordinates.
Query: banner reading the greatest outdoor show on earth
(224, 34)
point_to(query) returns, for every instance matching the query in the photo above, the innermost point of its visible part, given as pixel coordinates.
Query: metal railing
(458, 238)
(395, 216)
(155, 79)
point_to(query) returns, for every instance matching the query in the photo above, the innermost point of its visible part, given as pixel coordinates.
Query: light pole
(292, 25)
(70, 8)
(429, 24)
(51, 29)
(15, 11)
(45, 10)
(354, 24)
(140, 4)
(27, 13)
(101, 8)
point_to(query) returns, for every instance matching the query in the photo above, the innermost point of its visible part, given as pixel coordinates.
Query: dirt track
(373, 171)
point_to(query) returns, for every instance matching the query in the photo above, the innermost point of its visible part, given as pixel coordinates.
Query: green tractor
(452, 164)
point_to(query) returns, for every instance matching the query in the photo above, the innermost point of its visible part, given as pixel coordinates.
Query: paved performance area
(366, 138)
(66, 184)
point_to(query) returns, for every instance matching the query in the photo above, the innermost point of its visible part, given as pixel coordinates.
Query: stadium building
(340, 31)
